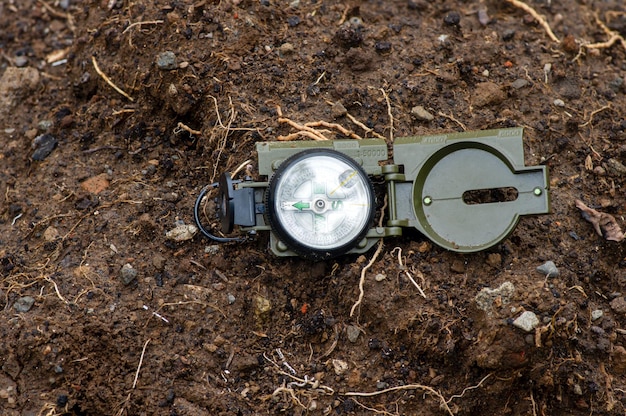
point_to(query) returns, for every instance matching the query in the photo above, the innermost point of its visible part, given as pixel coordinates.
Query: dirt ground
(92, 178)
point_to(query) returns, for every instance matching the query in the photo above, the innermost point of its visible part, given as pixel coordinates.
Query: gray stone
(421, 113)
(20, 61)
(548, 269)
(166, 61)
(182, 232)
(527, 321)
(559, 103)
(353, 333)
(519, 83)
(231, 298)
(128, 274)
(24, 304)
(212, 249)
(485, 298)
(44, 145)
(597, 314)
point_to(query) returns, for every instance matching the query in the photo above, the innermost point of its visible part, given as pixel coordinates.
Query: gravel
(421, 113)
(166, 61)
(24, 304)
(548, 269)
(128, 274)
(43, 145)
(527, 321)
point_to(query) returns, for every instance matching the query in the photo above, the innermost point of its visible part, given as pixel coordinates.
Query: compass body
(320, 203)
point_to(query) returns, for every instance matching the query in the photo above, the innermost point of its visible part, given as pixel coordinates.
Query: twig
(56, 289)
(408, 275)
(593, 113)
(293, 136)
(451, 117)
(97, 149)
(108, 80)
(363, 126)
(181, 126)
(362, 280)
(344, 15)
(224, 138)
(143, 351)
(336, 126)
(613, 37)
(358, 123)
(315, 134)
(151, 22)
(466, 389)
(389, 114)
(239, 168)
(521, 5)
(428, 389)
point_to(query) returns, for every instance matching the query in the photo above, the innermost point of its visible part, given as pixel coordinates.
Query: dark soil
(230, 329)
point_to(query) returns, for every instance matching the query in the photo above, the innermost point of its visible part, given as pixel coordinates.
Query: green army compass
(464, 191)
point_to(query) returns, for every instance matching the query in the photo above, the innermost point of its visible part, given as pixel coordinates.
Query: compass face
(321, 203)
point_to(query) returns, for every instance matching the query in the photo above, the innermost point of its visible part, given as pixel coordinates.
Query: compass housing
(320, 203)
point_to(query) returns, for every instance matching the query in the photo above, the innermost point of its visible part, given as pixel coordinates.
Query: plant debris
(605, 224)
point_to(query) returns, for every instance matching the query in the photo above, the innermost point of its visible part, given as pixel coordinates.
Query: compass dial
(320, 203)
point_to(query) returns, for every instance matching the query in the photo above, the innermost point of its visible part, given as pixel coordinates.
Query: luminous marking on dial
(322, 202)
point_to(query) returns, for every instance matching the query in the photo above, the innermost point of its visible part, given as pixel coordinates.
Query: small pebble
(24, 304)
(338, 110)
(293, 21)
(340, 366)
(166, 61)
(286, 48)
(383, 47)
(508, 34)
(597, 314)
(20, 61)
(62, 400)
(231, 298)
(527, 321)
(212, 249)
(44, 125)
(353, 333)
(548, 269)
(452, 19)
(182, 232)
(559, 103)
(519, 83)
(421, 113)
(380, 277)
(128, 274)
(262, 306)
(43, 145)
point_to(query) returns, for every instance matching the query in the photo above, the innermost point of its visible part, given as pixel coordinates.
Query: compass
(464, 191)
(320, 203)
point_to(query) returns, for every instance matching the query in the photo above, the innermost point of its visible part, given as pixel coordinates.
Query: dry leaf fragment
(605, 224)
